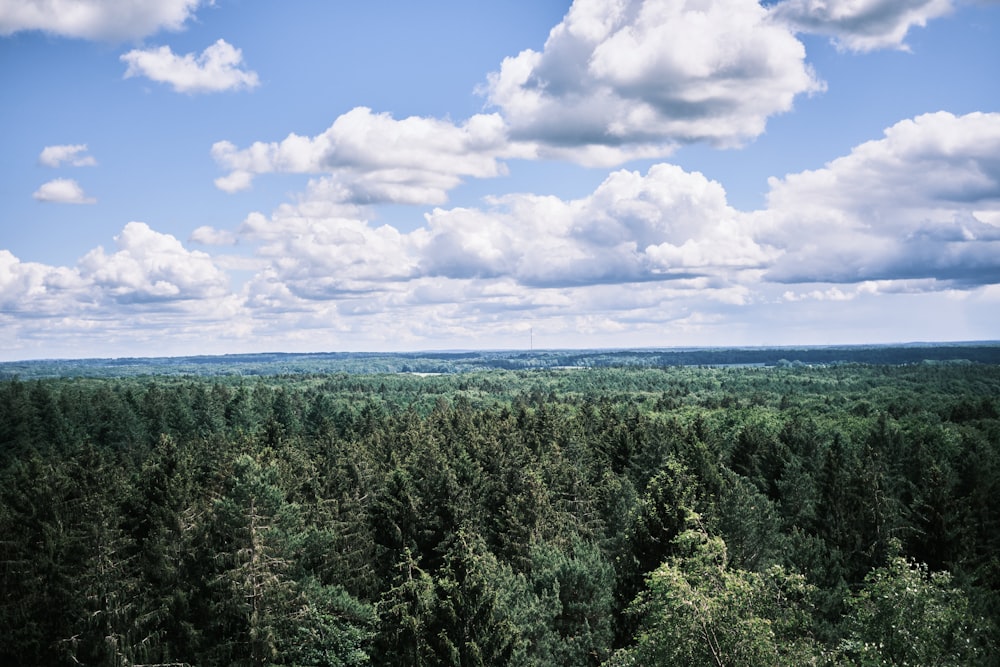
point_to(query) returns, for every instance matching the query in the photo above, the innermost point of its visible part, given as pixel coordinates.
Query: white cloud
(638, 240)
(829, 294)
(95, 19)
(679, 267)
(665, 225)
(150, 294)
(326, 258)
(372, 157)
(218, 68)
(614, 82)
(62, 191)
(24, 283)
(914, 204)
(653, 253)
(151, 287)
(235, 181)
(206, 235)
(152, 267)
(71, 154)
(905, 214)
(861, 25)
(635, 78)
(647, 258)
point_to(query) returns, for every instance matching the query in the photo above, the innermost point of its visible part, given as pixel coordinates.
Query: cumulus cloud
(917, 203)
(96, 19)
(149, 295)
(861, 25)
(641, 249)
(614, 82)
(373, 157)
(150, 291)
(522, 252)
(664, 225)
(912, 209)
(330, 256)
(647, 258)
(218, 68)
(24, 283)
(829, 294)
(73, 155)
(152, 267)
(618, 80)
(62, 191)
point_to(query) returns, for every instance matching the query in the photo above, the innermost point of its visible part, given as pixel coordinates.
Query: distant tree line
(839, 515)
(325, 363)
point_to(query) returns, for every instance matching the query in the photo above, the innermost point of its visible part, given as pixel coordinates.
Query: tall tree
(699, 611)
(468, 627)
(251, 531)
(562, 607)
(908, 615)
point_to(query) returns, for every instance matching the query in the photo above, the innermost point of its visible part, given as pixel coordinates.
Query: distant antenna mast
(531, 339)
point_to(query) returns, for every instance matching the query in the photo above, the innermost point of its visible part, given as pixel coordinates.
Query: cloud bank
(659, 253)
(922, 202)
(914, 212)
(149, 273)
(614, 82)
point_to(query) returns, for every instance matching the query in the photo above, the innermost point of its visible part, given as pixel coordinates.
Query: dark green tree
(468, 627)
(562, 607)
(252, 531)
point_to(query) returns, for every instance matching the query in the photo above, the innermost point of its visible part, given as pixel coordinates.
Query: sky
(182, 177)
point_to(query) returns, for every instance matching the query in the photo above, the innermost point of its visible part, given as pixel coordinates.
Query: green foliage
(326, 363)
(662, 514)
(750, 523)
(503, 517)
(562, 606)
(329, 628)
(697, 610)
(468, 627)
(908, 615)
(250, 534)
(404, 613)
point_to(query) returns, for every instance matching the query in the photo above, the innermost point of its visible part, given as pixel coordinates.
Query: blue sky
(192, 177)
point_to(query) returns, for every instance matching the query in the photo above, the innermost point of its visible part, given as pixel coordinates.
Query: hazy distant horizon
(517, 351)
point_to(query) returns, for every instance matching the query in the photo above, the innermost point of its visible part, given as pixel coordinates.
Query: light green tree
(908, 615)
(696, 610)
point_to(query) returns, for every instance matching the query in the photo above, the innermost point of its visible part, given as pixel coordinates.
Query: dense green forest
(843, 514)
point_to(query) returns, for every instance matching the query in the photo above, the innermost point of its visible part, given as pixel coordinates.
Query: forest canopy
(592, 514)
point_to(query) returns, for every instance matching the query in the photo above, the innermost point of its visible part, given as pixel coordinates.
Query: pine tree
(251, 592)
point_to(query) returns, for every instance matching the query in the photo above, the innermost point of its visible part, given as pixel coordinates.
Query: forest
(783, 514)
(465, 361)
